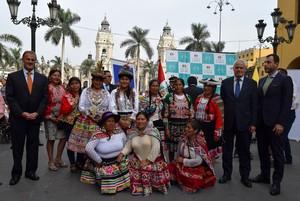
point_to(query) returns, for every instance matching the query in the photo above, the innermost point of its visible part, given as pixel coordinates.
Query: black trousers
(21, 131)
(243, 148)
(265, 138)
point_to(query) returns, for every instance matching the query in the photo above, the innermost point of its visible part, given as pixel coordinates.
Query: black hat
(125, 72)
(99, 72)
(107, 115)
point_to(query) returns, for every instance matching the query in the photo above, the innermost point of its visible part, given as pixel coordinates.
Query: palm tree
(56, 62)
(62, 30)
(138, 39)
(15, 59)
(199, 40)
(87, 65)
(217, 46)
(4, 51)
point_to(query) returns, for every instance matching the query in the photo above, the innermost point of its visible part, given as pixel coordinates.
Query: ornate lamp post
(219, 6)
(33, 22)
(275, 41)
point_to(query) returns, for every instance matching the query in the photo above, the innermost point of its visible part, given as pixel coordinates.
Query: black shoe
(259, 179)
(246, 182)
(14, 180)
(275, 189)
(224, 179)
(288, 162)
(41, 144)
(0, 183)
(32, 176)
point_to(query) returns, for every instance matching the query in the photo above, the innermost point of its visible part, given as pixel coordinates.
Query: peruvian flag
(161, 78)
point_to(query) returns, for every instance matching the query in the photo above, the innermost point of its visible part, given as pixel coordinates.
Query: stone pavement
(65, 186)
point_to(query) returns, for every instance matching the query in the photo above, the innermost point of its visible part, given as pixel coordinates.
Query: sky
(238, 27)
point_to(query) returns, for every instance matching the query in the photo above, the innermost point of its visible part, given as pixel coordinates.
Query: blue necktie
(237, 88)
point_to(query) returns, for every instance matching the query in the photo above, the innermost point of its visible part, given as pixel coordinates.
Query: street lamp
(33, 22)
(275, 41)
(219, 6)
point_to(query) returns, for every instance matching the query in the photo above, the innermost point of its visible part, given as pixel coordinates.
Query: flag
(255, 75)
(162, 79)
(116, 66)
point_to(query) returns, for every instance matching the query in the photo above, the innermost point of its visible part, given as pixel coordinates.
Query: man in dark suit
(239, 95)
(192, 88)
(107, 82)
(27, 93)
(275, 93)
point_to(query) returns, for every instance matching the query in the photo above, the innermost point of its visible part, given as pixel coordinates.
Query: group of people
(118, 139)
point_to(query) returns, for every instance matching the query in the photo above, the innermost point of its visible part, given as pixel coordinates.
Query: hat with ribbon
(210, 82)
(107, 115)
(99, 71)
(125, 71)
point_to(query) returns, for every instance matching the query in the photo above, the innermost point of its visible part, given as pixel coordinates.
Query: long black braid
(209, 100)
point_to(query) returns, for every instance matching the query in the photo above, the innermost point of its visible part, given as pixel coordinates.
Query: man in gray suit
(27, 94)
(239, 95)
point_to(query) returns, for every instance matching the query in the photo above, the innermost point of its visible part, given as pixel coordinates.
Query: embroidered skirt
(154, 175)
(81, 133)
(176, 130)
(190, 179)
(110, 175)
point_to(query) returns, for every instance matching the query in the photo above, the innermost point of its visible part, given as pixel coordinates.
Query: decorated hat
(107, 115)
(209, 81)
(99, 72)
(125, 71)
(172, 78)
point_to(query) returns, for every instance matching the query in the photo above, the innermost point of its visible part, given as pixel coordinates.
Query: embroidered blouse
(94, 103)
(203, 115)
(120, 103)
(178, 107)
(154, 108)
(54, 100)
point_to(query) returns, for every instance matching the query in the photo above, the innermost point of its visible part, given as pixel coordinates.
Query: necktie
(267, 83)
(237, 88)
(29, 82)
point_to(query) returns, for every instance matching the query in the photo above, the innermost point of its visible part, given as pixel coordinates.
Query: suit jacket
(242, 110)
(111, 87)
(20, 100)
(274, 107)
(193, 91)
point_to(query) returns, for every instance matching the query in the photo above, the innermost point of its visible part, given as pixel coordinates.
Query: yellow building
(289, 53)
(255, 57)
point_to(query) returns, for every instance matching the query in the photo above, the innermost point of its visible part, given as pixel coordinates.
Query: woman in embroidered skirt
(147, 167)
(208, 113)
(178, 110)
(56, 91)
(68, 114)
(192, 169)
(103, 149)
(124, 100)
(93, 103)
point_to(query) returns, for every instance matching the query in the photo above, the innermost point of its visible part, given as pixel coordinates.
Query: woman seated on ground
(103, 149)
(192, 169)
(147, 166)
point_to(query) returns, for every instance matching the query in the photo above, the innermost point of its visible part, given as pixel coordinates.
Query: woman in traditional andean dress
(147, 167)
(192, 169)
(94, 101)
(124, 100)
(178, 109)
(103, 149)
(208, 108)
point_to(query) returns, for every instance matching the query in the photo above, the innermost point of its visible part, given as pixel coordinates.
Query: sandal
(73, 168)
(52, 166)
(61, 164)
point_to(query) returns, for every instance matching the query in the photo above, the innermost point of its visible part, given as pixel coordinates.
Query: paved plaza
(65, 186)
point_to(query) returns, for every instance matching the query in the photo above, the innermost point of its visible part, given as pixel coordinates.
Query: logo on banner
(184, 68)
(172, 56)
(196, 57)
(208, 69)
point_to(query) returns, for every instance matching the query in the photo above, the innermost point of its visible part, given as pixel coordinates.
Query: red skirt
(190, 179)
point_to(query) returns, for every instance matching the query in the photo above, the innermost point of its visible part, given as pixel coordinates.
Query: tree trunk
(138, 71)
(63, 60)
